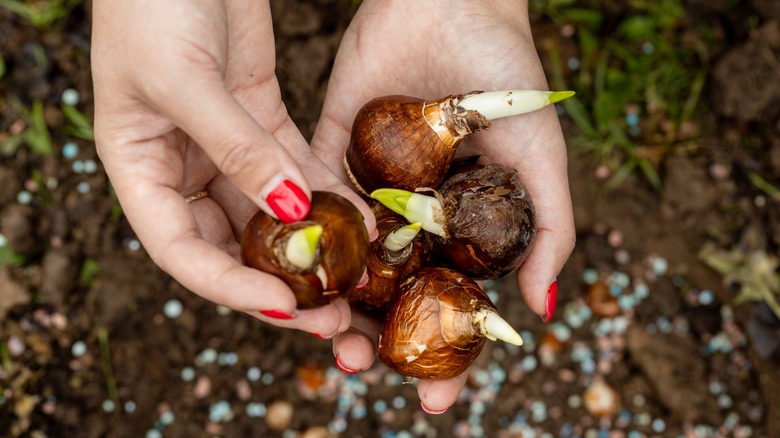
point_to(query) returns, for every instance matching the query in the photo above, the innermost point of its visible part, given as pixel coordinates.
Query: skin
(431, 49)
(186, 99)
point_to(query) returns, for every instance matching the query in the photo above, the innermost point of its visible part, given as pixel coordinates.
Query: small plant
(35, 133)
(41, 13)
(78, 125)
(638, 81)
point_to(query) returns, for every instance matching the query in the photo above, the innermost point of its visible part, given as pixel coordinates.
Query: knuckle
(236, 159)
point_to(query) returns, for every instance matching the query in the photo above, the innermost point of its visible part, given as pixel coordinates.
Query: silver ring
(196, 196)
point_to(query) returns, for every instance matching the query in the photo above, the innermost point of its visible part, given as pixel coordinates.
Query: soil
(86, 349)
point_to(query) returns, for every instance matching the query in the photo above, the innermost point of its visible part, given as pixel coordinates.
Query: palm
(432, 49)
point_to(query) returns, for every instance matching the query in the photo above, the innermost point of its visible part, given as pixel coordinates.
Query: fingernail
(373, 235)
(363, 281)
(317, 335)
(549, 302)
(343, 368)
(278, 314)
(286, 199)
(431, 411)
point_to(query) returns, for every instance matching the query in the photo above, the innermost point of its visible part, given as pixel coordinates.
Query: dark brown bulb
(387, 267)
(340, 258)
(433, 330)
(405, 142)
(490, 222)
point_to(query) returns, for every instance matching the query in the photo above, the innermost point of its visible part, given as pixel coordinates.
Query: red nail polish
(288, 201)
(318, 336)
(549, 302)
(278, 314)
(343, 368)
(431, 411)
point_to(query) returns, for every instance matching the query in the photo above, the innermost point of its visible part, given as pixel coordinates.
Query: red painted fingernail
(288, 201)
(343, 368)
(549, 302)
(317, 335)
(431, 411)
(278, 314)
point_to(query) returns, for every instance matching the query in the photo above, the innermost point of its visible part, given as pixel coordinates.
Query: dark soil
(680, 364)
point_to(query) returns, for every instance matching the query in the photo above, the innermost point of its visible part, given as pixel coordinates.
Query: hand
(186, 100)
(429, 50)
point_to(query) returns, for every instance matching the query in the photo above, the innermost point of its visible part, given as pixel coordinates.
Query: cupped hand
(430, 50)
(186, 100)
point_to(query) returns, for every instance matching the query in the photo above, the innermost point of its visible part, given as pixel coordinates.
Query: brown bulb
(490, 222)
(437, 325)
(405, 142)
(336, 264)
(387, 266)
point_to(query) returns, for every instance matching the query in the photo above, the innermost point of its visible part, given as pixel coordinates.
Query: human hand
(186, 101)
(429, 50)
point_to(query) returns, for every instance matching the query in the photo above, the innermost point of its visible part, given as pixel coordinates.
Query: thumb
(251, 157)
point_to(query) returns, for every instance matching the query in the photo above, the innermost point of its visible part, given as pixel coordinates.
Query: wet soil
(87, 350)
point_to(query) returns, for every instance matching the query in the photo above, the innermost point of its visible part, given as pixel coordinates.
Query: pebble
(202, 387)
(90, 166)
(220, 411)
(108, 406)
(279, 415)
(133, 244)
(615, 238)
(243, 390)
(24, 197)
(725, 401)
(601, 400)
(641, 291)
(15, 346)
(658, 425)
(223, 310)
(590, 276)
(187, 374)
(574, 401)
(3, 240)
(573, 63)
(228, 358)
(493, 295)
(70, 150)
(561, 332)
(380, 406)
(267, 379)
(153, 433)
(622, 257)
(255, 410)
(253, 374)
(83, 187)
(77, 166)
(130, 406)
(69, 97)
(659, 266)
(399, 402)
(529, 363)
(167, 418)
(206, 356)
(78, 348)
(706, 297)
(173, 308)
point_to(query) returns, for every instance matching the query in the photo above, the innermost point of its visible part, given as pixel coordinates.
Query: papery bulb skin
(490, 222)
(432, 329)
(405, 142)
(341, 253)
(387, 267)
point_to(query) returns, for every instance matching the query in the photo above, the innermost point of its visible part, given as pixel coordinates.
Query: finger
(540, 159)
(436, 396)
(323, 322)
(355, 348)
(246, 153)
(321, 175)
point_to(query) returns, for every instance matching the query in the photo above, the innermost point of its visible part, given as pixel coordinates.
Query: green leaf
(638, 27)
(650, 174)
(9, 258)
(579, 115)
(589, 18)
(89, 271)
(37, 134)
(81, 125)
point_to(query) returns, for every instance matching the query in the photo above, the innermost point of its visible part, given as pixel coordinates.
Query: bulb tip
(497, 327)
(557, 96)
(394, 199)
(313, 234)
